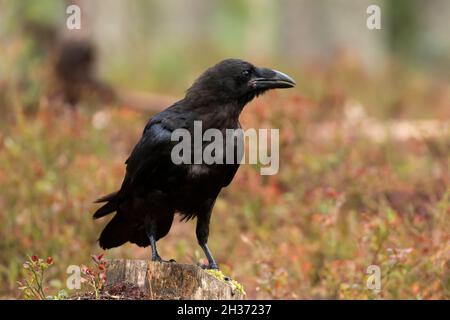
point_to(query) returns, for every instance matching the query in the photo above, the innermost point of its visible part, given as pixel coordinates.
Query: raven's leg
(151, 233)
(202, 232)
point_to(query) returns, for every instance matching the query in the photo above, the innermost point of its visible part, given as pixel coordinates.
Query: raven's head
(237, 80)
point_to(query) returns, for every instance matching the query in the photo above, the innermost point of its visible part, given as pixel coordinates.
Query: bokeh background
(365, 139)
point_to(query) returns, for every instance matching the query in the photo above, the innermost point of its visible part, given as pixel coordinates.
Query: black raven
(155, 188)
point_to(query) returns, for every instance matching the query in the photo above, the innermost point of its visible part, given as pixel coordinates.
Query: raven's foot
(212, 266)
(159, 259)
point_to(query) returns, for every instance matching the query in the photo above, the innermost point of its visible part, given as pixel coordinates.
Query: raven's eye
(246, 73)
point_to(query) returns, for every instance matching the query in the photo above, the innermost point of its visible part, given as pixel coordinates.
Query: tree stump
(166, 280)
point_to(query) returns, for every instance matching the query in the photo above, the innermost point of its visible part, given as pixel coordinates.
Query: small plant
(95, 277)
(33, 286)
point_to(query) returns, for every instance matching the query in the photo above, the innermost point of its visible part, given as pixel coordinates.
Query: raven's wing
(148, 154)
(150, 161)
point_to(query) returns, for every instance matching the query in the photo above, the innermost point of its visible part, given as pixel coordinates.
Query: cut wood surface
(155, 280)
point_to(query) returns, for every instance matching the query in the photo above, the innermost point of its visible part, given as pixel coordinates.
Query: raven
(155, 188)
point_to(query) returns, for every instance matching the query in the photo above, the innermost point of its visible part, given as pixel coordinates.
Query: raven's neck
(224, 116)
(215, 113)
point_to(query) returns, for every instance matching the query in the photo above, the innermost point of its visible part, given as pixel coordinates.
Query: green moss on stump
(220, 276)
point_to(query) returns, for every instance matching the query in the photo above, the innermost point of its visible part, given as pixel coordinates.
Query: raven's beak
(271, 79)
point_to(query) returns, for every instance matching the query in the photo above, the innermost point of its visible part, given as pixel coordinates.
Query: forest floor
(364, 180)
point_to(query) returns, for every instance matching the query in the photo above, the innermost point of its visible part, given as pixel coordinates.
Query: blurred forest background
(365, 139)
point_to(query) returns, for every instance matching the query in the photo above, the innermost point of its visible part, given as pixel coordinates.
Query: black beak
(271, 79)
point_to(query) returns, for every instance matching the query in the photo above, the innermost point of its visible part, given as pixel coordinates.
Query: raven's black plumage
(154, 188)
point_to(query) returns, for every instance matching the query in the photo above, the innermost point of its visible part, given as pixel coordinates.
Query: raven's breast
(200, 184)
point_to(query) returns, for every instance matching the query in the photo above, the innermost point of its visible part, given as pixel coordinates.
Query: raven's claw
(159, 259)
(209, 266)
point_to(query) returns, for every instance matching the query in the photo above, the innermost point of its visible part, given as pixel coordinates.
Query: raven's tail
(120, 230)
(110, 206)
(116, 233)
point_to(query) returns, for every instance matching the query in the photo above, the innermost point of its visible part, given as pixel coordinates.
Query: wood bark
(155, 280)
